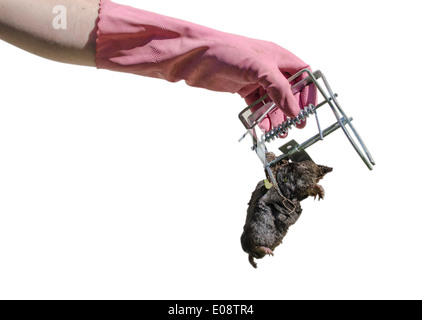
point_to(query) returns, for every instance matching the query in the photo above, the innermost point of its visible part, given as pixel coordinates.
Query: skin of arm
(28, 24)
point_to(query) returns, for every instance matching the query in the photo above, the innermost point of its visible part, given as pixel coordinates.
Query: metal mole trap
(292, 150)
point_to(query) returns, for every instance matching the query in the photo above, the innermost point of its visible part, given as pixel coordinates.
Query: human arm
(28, 24)
(149, 44)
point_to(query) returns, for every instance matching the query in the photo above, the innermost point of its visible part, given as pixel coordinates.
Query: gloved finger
(280, 92)
(252, 98)
(306, 97)
(309, 94)
(265, 124)
(277, 117)
(298, 95)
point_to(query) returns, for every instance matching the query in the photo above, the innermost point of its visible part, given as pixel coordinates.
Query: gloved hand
(144, 43)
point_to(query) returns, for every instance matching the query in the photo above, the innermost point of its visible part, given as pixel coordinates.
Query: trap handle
(250, 119)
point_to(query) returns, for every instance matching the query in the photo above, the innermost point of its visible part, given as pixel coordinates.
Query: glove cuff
(148, 44)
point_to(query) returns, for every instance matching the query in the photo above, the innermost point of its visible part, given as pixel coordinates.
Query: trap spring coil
(282, 128)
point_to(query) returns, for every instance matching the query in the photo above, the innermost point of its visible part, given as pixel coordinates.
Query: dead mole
(270, 215)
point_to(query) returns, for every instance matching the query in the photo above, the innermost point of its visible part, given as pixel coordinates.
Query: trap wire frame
(250, 119)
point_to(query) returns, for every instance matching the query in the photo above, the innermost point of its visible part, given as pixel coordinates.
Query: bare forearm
(34, 26)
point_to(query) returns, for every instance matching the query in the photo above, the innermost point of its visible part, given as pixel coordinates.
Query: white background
(114, 186)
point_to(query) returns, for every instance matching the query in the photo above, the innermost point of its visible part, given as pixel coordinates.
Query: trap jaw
(292, 150)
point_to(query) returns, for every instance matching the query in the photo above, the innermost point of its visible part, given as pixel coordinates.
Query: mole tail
(252, 262)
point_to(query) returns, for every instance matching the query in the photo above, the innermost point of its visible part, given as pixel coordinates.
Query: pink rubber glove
(144, 43)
